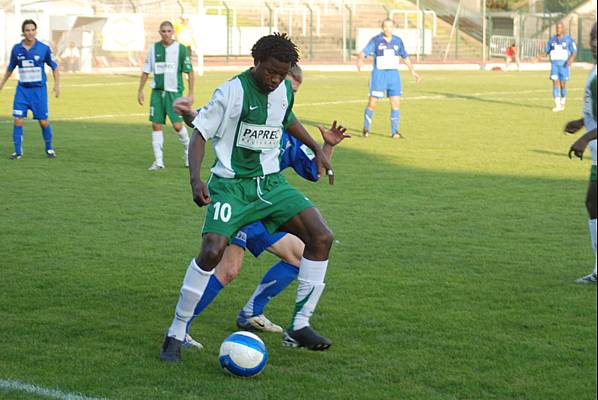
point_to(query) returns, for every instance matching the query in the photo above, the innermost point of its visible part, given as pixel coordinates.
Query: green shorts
(240, 201)
(593, 174)
(161, 105)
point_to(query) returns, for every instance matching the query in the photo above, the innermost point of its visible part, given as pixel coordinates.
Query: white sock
(592, 226)
(157, 143)
(184, 139)
(557, 102)
(310, 288)
(194, 285)
(563, 101)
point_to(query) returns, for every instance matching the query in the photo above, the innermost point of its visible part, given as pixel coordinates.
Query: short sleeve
(50, 59)
(210, 117)
(300, 157)
(402, 52)
(13, 59)
(369, 48)
(148, 65)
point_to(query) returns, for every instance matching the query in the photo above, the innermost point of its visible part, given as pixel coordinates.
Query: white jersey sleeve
(209, 120)
(148, 65)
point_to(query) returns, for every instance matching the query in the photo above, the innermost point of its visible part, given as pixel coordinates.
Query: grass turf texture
(453, 275)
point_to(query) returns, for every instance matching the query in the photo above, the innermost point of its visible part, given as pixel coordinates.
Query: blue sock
(17, 138)
(556, 92)
(395, 117)
(563, 92)
(275, 280)
(47, 134)
(368, 115)
(212, 289)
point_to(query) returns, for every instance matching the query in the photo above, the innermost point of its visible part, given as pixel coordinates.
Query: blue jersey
(560, 49)
(298, 156)
(31, 63)
(386, 53)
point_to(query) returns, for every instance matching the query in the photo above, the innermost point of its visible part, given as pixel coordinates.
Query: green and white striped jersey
(167, 65)
(246, 126)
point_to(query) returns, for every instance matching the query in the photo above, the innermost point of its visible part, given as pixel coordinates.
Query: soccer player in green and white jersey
(589, 139)
(166, 60)
(245, 120)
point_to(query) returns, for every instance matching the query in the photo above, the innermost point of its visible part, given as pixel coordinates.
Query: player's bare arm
(191, 81)
(580, 144)
(572, 58)
(7, 75)
(56, 75)
(574, 126)
(199, 189)
(407, 62)
(360, 59)
(140, 95)
(297, 130)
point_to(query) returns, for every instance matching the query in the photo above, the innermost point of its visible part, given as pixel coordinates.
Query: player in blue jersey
(30, 56)
(256, 238)
(386, 49)
(561, 50)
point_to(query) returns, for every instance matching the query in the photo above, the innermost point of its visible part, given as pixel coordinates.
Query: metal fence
(117, 33)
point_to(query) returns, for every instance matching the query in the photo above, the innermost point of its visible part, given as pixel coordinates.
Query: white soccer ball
(243, 354)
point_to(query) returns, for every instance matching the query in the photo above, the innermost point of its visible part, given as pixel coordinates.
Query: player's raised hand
(334, 135)
(140, 98)
(201, 194)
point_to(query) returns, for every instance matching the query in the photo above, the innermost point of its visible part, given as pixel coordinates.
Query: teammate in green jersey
(166, 60)
(588, 140)
(245, 119)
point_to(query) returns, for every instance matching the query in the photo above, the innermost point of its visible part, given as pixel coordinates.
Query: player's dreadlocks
(278, 46)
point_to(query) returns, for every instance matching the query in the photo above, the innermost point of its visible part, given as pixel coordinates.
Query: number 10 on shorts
(222, 211)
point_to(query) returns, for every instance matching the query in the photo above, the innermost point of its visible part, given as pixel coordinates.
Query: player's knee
(211, 252)
(227, 275)
(323, 239)
(43, 123)
(18, 121)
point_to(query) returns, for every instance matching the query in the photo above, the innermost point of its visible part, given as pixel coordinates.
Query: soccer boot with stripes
(306, 337)
(15, 156)
(190, 343)
(591, 278)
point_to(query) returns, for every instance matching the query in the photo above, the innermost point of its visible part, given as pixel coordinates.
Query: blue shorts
(256, 238)
(31, 98)
(385, 83)
(559, 71)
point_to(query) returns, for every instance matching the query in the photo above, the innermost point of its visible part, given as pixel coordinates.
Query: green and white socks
(309, 289)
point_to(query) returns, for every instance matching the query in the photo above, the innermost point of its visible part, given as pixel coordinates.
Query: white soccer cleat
(258, 323)
(191, 343)
(590, 278)
(558, 109)
(155, 166)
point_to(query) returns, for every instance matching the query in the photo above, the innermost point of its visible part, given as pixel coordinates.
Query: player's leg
(563, 78)
(279, 276)
(20, 108)
(46, 128)
(178, 125)
(158, 119)
(376, 92)
(311, 228)
(592, 207)
(395, 117)
(38, 100)
(556, 86)
(195, 284)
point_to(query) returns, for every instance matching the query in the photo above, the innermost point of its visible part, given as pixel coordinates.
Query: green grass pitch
(452, 276)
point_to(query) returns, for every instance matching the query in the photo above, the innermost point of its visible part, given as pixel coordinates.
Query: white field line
(52, 393)
(455, 96)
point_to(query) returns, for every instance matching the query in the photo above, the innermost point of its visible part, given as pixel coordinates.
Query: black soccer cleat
(51, 153)
(15, 156)
(365, 133)
(397, 135)
(305, 337)
(171, 350)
